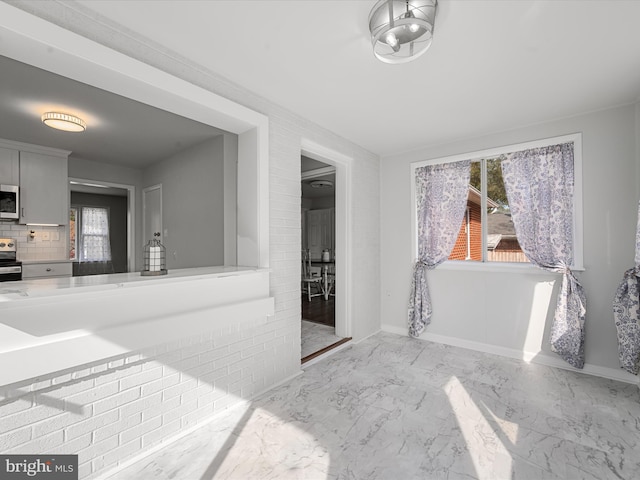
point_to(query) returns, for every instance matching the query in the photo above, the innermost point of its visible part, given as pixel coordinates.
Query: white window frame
(578, 248)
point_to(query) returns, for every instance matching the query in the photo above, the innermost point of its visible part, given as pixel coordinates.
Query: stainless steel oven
(10, 273)
(10, 267)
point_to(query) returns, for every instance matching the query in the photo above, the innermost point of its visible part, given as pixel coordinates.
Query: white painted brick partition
(109, 411)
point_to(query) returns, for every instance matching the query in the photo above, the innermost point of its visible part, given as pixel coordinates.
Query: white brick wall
(110, 411)
(140, 400)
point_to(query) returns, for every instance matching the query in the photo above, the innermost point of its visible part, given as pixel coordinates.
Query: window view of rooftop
(501, 244)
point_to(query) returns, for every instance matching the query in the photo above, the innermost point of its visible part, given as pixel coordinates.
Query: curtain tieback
(574, 285)
(569, 272)
(632, 272)
(422, 264)
(631, 277)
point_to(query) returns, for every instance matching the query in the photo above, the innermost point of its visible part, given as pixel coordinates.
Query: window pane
(502, 244)
(469, 242)
(95, 221)
(95, 245)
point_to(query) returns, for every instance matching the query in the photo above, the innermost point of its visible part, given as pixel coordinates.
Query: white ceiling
(493, 65)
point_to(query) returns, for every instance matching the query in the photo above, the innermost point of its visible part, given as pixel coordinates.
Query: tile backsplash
(39, 248)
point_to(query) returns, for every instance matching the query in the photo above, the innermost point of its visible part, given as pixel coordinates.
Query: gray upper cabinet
(44, 197)
(9, 166)
(42, 175)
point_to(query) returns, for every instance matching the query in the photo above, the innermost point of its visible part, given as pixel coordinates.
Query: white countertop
(35, 262)
(47, 287)
(52, 324)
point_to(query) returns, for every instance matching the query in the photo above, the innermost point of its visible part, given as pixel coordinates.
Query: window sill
(497, 267)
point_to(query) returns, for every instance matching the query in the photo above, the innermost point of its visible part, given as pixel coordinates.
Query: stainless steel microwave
(9, 199)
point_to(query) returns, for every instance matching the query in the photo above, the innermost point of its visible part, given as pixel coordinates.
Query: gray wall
(323, 202)
(193, 199)
(192, 204)
(502, 309)
(102, 172)
(117, 206)
(318, 203)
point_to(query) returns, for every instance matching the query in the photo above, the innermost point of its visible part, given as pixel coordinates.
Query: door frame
(131, 214)
(344, 249)
(144, 212)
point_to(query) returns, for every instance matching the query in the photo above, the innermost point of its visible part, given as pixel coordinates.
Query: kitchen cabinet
(44, 190)
(9, 166)
(42, 174)
(46, 270)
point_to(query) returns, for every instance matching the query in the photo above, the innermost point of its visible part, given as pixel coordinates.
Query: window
(89, 234)
(487, 233)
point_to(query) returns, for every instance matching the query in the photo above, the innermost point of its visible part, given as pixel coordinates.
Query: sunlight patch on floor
(490, 458)
(258, 451)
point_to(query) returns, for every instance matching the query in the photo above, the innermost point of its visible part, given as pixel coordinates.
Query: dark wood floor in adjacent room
(319, 310)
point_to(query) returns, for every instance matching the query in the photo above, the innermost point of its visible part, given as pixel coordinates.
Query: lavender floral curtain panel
(441, 200)
(539, 186)
(626, 313)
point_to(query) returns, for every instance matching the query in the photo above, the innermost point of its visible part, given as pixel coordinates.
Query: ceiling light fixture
(402, 30)
(62, 121)
(321, 183)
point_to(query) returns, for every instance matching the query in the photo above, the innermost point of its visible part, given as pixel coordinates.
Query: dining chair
(331, 281)
(310, 279)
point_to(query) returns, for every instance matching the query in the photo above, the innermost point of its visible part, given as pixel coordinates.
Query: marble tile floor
(315, 337)
(392, 407)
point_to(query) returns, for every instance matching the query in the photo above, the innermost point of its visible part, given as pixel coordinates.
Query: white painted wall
(192, 204)
(230, 199)
(511, 311)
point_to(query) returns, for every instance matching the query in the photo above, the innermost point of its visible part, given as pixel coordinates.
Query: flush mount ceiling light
(62, 121)
(321, 183)
(402, 30)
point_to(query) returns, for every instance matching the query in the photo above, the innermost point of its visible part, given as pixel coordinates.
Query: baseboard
(355, 342)
(541, 358)
(243, 403)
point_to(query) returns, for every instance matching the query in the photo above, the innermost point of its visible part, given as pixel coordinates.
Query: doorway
(319, 262)
(128, 193)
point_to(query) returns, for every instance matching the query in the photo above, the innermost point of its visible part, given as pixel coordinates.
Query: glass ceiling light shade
(402, 30)
(62, 121)
(321, 183)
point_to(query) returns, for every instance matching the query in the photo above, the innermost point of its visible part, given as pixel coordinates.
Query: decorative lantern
(155, 259)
